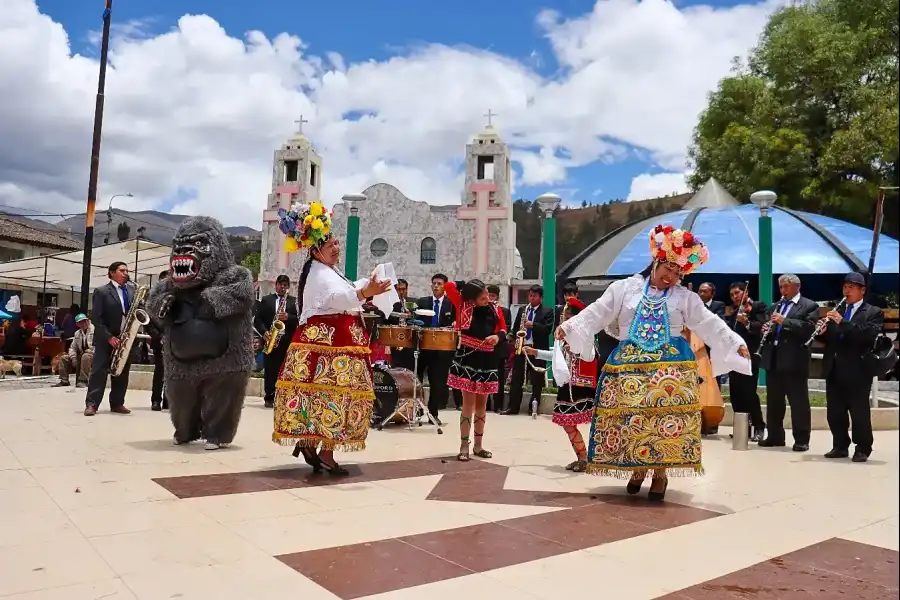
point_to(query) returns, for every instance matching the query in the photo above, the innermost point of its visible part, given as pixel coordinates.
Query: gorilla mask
(200, 249)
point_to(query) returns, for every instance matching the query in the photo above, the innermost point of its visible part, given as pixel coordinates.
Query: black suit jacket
(447, 315)
(717, 307)
(848, 341)
(107, 312)
(751, 333)
(791, 355)
(543, 325)
(265, 314)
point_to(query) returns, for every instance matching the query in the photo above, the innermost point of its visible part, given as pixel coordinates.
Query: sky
(597, 100)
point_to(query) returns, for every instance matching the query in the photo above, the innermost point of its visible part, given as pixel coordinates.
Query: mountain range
(158, 226)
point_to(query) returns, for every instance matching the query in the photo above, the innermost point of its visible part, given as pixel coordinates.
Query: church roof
(804, 243)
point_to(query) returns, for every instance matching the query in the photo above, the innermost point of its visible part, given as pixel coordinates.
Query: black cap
(855, 279)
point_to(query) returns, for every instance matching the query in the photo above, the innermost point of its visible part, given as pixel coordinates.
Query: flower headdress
(678, 247)
(305, 225)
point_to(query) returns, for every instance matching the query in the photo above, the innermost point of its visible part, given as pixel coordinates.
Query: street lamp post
(548, 203)
(109, 213)
(351, 255)
(764, 200)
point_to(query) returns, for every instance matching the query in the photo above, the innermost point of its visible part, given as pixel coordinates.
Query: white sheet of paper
(731, 362)
(385, 302)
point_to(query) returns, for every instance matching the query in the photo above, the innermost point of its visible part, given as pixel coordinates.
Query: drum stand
(417, 404)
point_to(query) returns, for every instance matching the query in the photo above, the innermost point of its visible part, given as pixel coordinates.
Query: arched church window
(428, 252)
(378, 247)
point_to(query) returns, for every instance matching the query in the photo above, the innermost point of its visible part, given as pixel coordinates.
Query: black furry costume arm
(230, 293)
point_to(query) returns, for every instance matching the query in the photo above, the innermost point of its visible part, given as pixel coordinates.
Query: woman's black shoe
(335, 470)
(634, 486)
(658, 496)
(310, 457)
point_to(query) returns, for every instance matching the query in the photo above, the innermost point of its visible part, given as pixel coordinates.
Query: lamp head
(548, 203)
(763, 200)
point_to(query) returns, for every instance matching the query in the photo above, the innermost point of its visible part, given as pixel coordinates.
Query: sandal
(463, 457)
(571, 465)
(634, 486)
(309, 456)
(334, 470)
(482, 453)
(579, 466)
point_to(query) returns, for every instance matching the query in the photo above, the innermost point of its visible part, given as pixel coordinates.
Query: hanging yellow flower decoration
(290, 245)
(316, 209)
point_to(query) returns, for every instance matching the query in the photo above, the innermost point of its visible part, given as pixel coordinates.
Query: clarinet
(768, 327)
(823, 323)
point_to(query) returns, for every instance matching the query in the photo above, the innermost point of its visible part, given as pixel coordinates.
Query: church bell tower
(296, 177)
(487, 202)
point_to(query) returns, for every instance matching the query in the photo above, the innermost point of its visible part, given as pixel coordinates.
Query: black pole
(44, 294)
(95, 159)
(876, 233)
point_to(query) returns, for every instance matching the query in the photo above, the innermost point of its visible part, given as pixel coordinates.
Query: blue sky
(379, 31)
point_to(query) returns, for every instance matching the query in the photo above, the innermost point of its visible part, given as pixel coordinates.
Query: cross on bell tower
(300, 123)
(490, 117)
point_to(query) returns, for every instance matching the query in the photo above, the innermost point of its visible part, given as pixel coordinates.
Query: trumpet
(823, 323)
(769, 326)
(276, 331)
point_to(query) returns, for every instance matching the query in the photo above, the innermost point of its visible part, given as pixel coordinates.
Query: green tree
(251, 261)
(123, 231)
(814, 113)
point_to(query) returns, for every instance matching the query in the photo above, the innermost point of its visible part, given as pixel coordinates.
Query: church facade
(475, 238)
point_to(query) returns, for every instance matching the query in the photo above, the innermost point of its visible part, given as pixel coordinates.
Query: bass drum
(394, 387)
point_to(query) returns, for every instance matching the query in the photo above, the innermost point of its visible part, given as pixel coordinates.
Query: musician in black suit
(158, 400)
(849, 336)
(436, 363)
(785, 357)
(279, 306)
(707, 293)
(502, 350)
(747, 319)
(109, 305)
(537, 320)
(403, 358)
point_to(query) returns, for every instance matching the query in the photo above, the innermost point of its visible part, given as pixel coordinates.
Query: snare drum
(439, 338)
(396, 336)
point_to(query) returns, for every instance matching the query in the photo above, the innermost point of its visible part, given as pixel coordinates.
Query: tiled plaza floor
(107, 508)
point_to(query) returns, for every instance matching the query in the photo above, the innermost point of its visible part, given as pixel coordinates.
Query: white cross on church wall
(482, 213)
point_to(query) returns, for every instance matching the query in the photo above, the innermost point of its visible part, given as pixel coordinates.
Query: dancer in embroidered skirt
(324, 394)
(474, 369)
(646, 417)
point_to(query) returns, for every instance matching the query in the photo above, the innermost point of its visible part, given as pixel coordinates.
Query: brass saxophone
(521, 334)
(276, 331)
(136, 318)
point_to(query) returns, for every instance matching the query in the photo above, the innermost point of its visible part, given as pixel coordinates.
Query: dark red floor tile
(485, 547)
(851, 559)
(578, 528)
(374, 568)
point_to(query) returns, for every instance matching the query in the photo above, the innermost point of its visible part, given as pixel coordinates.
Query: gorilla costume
(204, 309)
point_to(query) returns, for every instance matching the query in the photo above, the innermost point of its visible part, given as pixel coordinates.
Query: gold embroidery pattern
(647, 413)
(319, 334)
(358, 334)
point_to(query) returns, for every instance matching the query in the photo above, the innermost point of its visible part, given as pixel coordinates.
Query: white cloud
(646, 186)
(195, 109)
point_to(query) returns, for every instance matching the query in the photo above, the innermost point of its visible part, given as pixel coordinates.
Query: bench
(40, 353)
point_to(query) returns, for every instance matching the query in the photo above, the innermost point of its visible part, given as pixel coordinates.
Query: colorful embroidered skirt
(324, 393)
(576, 410)
(647, 412)
(474, 367)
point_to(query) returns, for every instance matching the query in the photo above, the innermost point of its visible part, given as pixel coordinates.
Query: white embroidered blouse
(619, 304)
(327, 292)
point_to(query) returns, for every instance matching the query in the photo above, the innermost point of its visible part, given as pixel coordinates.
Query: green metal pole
(351, 258)
(549, 274)
(765, 268)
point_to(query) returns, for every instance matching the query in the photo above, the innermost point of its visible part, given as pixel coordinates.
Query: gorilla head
(200, 250)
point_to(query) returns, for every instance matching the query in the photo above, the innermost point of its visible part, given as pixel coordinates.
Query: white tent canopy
(145, 261)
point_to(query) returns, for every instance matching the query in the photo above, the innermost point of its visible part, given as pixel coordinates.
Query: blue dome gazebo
(819, 249)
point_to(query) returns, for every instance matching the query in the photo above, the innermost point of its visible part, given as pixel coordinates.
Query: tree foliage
(813, 115)
(123, 231)
(251, 261)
